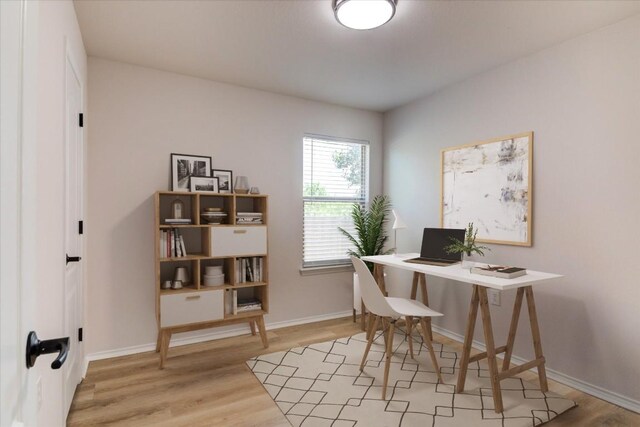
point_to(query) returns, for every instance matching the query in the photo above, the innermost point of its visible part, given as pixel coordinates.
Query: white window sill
(329, 269)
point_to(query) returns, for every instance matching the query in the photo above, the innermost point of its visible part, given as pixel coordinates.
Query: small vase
(466, 263)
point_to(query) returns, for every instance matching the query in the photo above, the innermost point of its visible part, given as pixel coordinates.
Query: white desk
(524, 286)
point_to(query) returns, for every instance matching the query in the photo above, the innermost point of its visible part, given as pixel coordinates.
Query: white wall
(57, 34)
(138, 117)
(582, 100)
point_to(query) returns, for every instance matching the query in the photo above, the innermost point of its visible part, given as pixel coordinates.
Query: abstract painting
(489, 184)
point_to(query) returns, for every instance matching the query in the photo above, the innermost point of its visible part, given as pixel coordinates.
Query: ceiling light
(364, 14)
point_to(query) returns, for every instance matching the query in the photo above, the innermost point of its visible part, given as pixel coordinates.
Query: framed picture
(184, 166)
(489, 184)
(203, 184)
(225, 179)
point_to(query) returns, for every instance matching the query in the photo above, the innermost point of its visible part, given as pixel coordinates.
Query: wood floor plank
(209, 384)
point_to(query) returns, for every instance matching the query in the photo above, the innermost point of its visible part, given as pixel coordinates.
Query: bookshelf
(238, 247)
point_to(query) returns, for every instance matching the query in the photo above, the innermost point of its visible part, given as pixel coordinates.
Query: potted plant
(370, 231)
(466, 248)
(370, 236)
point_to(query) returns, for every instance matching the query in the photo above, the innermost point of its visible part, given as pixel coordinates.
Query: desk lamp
(398, 224)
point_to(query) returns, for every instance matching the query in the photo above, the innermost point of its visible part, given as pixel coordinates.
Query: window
(335, 176)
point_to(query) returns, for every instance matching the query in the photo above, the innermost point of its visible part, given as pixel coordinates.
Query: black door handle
(73, 259)
(35, 348)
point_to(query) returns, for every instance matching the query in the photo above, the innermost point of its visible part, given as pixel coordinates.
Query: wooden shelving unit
(197, 306)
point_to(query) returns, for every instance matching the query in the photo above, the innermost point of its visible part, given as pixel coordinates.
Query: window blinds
(335, 176)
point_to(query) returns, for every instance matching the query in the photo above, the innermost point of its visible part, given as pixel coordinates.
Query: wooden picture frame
(225, 180)
(183, 166)
(490, 183)
(203, 184)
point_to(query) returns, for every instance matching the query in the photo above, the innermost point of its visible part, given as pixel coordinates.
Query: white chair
(389, 310)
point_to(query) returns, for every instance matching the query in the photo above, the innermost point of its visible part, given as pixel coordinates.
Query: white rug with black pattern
(321, 385)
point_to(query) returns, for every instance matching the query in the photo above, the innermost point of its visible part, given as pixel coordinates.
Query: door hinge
(80, 227)
(81, 120)
(80, 335)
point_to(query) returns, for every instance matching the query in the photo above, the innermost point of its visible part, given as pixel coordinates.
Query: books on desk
(500, 271)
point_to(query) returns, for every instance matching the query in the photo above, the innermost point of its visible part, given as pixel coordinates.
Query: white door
(18, 391)
(72, 370)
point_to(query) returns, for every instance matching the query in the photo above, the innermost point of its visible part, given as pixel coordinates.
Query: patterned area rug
(321, 385)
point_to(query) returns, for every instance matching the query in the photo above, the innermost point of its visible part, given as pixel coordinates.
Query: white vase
(466, 263)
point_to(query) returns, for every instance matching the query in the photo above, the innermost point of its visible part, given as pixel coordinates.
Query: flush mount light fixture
(364, 14)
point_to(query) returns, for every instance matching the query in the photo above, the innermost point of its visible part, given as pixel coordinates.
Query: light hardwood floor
(208, 384)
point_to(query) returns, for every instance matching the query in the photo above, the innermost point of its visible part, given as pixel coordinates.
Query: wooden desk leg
(378, 274)
(263, 331)
(491, 349)
(468, 339)
(535, 332)
(425, 301)
(414, 285)
(515, 316)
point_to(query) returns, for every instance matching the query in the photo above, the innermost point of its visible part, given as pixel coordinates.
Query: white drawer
(238, 241)
(191, 307)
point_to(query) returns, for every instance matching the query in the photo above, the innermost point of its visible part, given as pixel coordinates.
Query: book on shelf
(249, 218)
(249, 270)
(235, 301)
(500, 271)
(177, 221)
(172, 244)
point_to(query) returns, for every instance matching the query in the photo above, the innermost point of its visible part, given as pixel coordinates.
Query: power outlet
(39, 391)
(494, 297)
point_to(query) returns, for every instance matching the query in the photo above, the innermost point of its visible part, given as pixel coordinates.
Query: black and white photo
(203, 184)
(225, 180)
(184, 166)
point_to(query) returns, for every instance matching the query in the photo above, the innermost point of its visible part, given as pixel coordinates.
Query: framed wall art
(225, 179)
(490, 184)
(203, 184)
(184, 166)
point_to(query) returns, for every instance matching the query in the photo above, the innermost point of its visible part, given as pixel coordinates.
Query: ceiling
(297, 47)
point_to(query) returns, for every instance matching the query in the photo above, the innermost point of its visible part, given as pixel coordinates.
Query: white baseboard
(175, 342)
(593, 390)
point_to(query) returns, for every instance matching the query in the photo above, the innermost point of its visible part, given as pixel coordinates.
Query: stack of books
(172, 244)
(235, 305)
(247, 304)
(500, 271)
(249, 218)
(177, 221)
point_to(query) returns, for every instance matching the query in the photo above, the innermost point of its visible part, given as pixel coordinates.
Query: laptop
(434, 240)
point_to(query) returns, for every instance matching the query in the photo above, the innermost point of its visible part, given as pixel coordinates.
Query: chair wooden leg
(409, 320)
(252, 325)
(429, 344)
(370, 334)
(363, 315)
(387, 363)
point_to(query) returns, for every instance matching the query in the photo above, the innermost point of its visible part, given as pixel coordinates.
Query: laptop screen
(434, 240)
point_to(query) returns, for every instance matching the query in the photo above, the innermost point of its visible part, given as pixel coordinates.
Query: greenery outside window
(335, 176)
